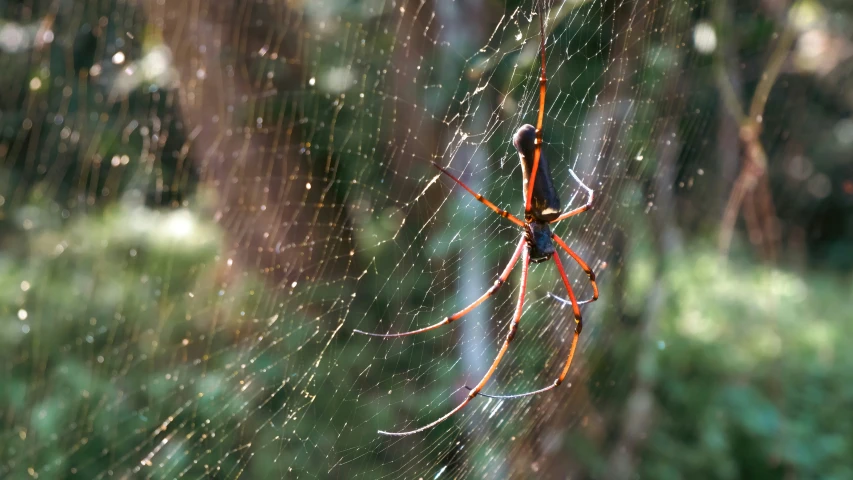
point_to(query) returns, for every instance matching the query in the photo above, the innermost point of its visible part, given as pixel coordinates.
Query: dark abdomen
(545, 203)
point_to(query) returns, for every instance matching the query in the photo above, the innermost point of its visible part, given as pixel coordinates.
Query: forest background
(198, 201)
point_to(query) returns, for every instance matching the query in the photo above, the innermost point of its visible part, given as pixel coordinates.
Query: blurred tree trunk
(475, 344)
(248, 167)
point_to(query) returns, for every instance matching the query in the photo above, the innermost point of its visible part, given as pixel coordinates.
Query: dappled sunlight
(203, 204)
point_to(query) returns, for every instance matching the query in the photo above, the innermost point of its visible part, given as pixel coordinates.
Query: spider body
(544, 203)
(537, 243)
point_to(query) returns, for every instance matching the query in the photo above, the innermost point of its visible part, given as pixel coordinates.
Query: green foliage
(753, 370)
(91, 312)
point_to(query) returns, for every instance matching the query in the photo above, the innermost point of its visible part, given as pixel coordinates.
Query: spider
(537, 244)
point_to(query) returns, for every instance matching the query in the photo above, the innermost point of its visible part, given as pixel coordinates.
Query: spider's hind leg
(513, 328)
(588, 271)
(575, 337)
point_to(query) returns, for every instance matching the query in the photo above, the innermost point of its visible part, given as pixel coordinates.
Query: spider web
(264, 172)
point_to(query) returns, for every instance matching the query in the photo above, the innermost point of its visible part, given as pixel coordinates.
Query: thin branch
(761, 222)
(771, 71)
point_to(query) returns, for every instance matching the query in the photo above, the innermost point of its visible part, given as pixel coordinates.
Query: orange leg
(461, 313)
(578, 327)
(482, 199)
(583, 265)
(513, 327)
(543, 83)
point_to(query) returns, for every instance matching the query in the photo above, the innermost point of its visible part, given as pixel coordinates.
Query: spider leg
(583, 265)
(543, 83)
(482, 199)
(461, 313)
(580, 209)
(578, 328)
(513, 327)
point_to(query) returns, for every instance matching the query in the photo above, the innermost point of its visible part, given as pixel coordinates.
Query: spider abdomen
(544, 203)
(539, 241)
